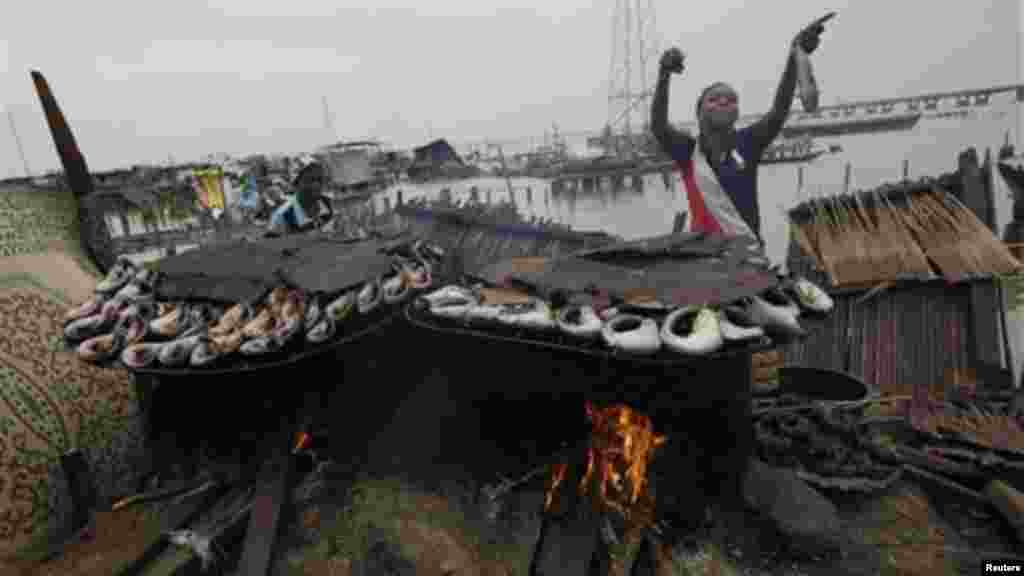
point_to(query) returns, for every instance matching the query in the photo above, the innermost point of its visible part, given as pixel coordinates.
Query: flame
(302, 441)
(557, 476)
(622, 443)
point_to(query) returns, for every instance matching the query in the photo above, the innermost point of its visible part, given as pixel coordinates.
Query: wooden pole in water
(504, 171)
(906, 169)
(846, 178)
(17, 142)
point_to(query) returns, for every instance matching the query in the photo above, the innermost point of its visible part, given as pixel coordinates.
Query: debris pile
(822, 442)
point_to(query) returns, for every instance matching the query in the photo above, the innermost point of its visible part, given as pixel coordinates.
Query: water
(931, 149)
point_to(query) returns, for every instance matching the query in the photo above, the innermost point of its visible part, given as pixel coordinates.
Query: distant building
(437, 159)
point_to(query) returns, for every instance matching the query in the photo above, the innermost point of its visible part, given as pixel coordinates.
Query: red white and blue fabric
(711, 209)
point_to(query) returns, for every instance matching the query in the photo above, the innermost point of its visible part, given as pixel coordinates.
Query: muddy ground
(413, 441)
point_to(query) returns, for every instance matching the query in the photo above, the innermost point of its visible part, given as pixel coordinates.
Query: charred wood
(570, 535)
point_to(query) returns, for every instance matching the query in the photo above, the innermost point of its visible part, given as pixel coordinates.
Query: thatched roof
(908, 231)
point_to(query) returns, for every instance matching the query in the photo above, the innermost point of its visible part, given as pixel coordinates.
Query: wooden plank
(983, 342)
(177, 518)
(984, 327)
(225, 528)
(267, 519)
(1009, 502)
(81, 486)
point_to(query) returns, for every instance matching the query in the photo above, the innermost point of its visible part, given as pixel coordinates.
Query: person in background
(304, 209)
(250, 202)
(719, 166)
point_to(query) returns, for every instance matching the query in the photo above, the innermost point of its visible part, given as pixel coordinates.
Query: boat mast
(17, 142)
(329, 123)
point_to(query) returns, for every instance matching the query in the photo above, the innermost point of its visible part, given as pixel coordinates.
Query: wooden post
(984, 341)
(82, 487)
(847, 176)
(906, 169)
(679, 222)
(987, 170)
(398, 198)
(270, 505)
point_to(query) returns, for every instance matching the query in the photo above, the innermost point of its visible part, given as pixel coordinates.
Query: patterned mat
(49, 401)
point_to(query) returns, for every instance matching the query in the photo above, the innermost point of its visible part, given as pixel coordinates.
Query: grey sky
(140, 81)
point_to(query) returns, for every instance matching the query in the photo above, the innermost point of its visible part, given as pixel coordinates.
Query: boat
(791, 151)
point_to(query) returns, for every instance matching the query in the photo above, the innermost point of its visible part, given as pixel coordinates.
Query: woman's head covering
(704, 92)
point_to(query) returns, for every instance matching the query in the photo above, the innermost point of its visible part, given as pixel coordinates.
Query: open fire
(621, 445)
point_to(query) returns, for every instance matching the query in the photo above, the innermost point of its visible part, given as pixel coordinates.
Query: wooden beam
(983, 343)
(225, 529)
(178, 518)
(267, 519)
(1010, 503)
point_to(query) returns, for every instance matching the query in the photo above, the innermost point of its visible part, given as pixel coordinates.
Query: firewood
(1009, 502)
(767, 358)
(766, 373)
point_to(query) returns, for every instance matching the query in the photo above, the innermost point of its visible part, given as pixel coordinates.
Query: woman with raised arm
(719, 166)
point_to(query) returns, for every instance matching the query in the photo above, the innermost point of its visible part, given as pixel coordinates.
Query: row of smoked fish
(641, 327)
(124, 321)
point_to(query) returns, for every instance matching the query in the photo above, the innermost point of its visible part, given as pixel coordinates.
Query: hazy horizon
(144, 83)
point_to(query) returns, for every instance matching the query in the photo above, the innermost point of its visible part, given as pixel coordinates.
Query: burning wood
(621, 445)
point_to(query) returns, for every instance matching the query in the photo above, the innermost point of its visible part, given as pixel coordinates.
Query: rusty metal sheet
(238, 271)
(677, 283)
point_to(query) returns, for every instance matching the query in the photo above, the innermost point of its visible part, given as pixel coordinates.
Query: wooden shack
(901, 332)
(139, 218)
